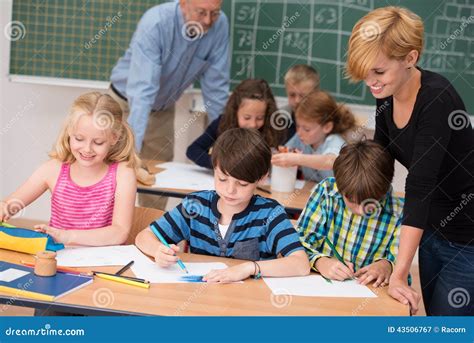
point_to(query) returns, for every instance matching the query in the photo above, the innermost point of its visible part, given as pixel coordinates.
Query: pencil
(264, 190)
(128, 265)
(61, 269)
(121, 279)
(124, 276)
(336, 254)
(162, 240)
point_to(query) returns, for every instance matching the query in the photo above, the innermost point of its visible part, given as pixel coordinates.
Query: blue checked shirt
(160, 64)
(361, 240)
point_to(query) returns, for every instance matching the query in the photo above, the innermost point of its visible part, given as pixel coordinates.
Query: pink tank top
(76, 207)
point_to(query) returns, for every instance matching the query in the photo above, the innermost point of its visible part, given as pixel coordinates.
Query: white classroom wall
(31, 116)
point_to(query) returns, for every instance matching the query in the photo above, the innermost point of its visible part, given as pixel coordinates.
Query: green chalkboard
(82, 39)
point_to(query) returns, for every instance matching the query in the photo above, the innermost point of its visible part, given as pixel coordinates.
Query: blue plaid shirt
(361, 240)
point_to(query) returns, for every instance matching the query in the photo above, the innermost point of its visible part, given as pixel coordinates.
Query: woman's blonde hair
(393, 31)
(107, 115)
(321, 107)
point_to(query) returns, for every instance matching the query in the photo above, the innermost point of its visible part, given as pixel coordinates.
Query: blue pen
(162, 240)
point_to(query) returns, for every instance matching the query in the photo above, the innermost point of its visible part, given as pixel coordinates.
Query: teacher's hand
(398, 289)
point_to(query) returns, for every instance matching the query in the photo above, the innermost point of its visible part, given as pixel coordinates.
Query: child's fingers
(350, 265)
(175, 247)
(346, 270)
(361, 271)
(380, 280)
(167, 251)
(368, 279)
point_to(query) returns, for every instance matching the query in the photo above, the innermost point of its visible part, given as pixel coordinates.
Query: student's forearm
(297, 265)
(320, 162)
(147, 242)
(409, 241)
(109, 235)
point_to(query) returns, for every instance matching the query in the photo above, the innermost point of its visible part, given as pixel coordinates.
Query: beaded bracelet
(256, 275)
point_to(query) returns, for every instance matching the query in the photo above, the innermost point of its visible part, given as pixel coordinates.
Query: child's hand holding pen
(165, 256)
(286, 157)
(332, 268)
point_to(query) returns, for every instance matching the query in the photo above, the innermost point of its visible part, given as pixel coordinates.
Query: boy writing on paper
(232, 221)
(358, 213)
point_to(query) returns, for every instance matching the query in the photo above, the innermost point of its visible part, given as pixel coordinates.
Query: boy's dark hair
(363, 170)
(242, 154)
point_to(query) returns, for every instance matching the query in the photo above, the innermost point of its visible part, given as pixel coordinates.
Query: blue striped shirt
(161, 63)
(261, 231)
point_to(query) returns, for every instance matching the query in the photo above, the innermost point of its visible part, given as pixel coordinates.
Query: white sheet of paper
(182, 166)
(316, 286)
(299, 184)
(12, 274)
(117, 255)
(174, 274)
(197, 180)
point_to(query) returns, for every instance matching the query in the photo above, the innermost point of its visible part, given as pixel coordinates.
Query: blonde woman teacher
(421, 120)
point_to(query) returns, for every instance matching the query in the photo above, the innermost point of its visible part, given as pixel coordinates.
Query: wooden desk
(294, 202)
(251, 298)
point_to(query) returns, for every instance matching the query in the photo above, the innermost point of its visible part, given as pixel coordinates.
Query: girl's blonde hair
(302, 73)
(393, 31)
(321, 107)
(107, 115)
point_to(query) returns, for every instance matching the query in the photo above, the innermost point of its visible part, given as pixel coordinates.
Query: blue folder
(47, 288)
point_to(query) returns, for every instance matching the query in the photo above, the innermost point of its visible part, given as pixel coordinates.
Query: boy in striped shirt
(358, 214)
(232, 221)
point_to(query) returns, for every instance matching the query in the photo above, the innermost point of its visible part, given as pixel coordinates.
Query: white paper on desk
(299, 184)
(174, 274)
(181, 166)
(117, 255)
(195, 178)
(316, 286)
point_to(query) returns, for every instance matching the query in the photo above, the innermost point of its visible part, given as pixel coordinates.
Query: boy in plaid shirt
(358, 214)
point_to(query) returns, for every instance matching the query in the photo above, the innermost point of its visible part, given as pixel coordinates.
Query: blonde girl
(91, 177)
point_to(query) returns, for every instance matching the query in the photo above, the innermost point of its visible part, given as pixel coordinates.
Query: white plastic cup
(283, 179)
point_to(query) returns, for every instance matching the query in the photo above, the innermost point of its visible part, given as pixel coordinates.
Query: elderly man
(174, 45)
